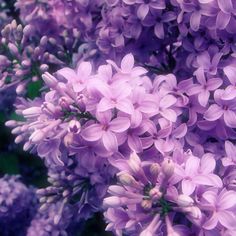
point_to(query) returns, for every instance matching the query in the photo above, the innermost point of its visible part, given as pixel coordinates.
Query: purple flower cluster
(183, 188)
(17, 206)
(142, 128)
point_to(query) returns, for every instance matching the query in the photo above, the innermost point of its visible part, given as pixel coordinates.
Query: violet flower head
(18, 205)
(152, 194)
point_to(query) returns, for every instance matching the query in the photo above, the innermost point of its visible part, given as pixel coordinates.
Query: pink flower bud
(155, 170)
(112, 202)
(168, 167)
(74, 126)
(127, 180)
(184, 200)
(50, 80)
(146, 204)
(37, 136)
(155, 194)
(68, 139)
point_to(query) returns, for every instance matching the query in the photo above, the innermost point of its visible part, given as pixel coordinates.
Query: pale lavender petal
(211, 223)
(68, 74)
(230, 72)
(127, 63)
(195, 89)
(208, 163)
(205, 180)
(180, 131)
(148, 106)
(230, 150)
(222, 20)
(125, 105)
(192, 165)
(188, 187)
(195, 20)
(120, 90)
(214, 83)
(136, 118)
(200, 72)
(227, 162)
(213, 113)
(204, 61)
(167, 101)
(119, 124)
(230, 118)
(92, 132)
(203, 97)
(109, 141)
(142, 11)
(104, 105)
(227, 199)
(225, 5)
(227, 219)
(84, 69)
(159, 30)
(135, 143)
(210, 196)
(169, 114)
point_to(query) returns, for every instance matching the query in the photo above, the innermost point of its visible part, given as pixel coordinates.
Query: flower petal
(109, 141)
(104, 105)
(227, 199)
(227, 219)
(92, 133)
(119, 124)
(203, 97)
(188, 187)
(222, 20)
(195, 20)
(211, 223)
(230, 118)
(127, 63)
(214, 112)
(125, 105)
(142, 11)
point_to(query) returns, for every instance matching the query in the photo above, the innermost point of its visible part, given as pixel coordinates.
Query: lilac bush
(135, 115)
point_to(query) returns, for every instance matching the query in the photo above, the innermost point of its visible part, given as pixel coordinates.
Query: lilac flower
(144, 7)
(225, 108)
(203, 89)
(230, 90)
(18, 205)
(148, 191)
(84, 177)
(106, 130)
(54, 220)
(221, 203)
(198, 172)
(230, 154)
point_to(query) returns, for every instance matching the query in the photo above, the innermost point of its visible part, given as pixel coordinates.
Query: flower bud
(37, 136)
(155, 170)
(13, 49)
(68, 139)
(127, 180)
(43, 68)
(184, 200)
(43, 41)
(74, 126)
(50, 80)
(194, 212)
(146, 204)
(112, 202)
(155, 194)
(168, 167)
